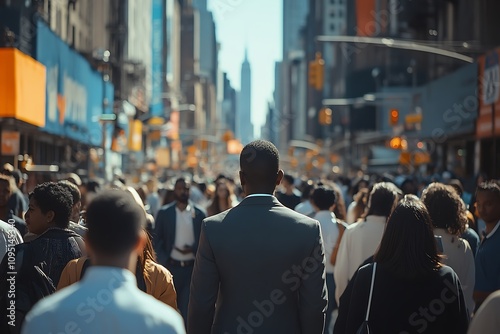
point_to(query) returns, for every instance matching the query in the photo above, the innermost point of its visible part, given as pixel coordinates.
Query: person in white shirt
(107, 299)
(176, 237)
(323, 199)
(361, 239)
(9, 237)
(448, 215)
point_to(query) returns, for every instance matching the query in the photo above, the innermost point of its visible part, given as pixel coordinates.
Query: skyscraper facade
(244, 116)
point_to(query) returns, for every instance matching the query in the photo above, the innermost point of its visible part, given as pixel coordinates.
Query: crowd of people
(263, 252)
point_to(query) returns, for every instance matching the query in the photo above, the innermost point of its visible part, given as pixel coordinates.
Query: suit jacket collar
(260, 200)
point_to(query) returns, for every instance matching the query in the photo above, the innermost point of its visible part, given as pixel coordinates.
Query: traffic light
(393, 117)
(325, 116)
(398, 143)
(395, 143)
(316, 72)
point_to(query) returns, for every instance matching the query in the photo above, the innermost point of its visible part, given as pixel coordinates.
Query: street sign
(491, 78)
(10, 142)
(413, 118)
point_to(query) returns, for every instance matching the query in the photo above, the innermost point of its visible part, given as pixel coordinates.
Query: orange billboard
(366, 20)
(22, 87)
(488, 120)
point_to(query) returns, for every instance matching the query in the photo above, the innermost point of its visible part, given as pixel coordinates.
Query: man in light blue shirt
(107, 299)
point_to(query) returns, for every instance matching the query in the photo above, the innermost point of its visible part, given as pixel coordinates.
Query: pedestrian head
(182, 188)
(488, 201)
(446, 208)
(259, 167)
(50, 205)
(6, 188)
(382, 199)
(323, 198)
(76, 197)
(408, 247)
(115, 223)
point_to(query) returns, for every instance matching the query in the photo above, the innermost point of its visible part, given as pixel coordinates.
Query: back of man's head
(115, 223)
(259, 162)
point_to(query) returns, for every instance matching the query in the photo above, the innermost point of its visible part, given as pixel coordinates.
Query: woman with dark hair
(412, 291)
(447, 212)
(361, 239)
(222, 199)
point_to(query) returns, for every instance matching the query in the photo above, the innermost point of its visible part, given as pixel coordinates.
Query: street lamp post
(105, 119)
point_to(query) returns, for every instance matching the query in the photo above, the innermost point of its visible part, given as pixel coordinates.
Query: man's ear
(279, 177)
(242, 178)
(50, 216)
(141, 243)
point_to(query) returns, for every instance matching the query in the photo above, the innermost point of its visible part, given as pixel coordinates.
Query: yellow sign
(421, 158)
(413, 118)
(405, 158)
(135, 136)
(22, 87)
(162, 156)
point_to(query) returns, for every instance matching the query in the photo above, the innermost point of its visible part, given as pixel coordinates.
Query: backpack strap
(86, 264)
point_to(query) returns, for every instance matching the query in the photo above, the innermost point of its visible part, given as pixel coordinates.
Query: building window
(332, 27)
(58, 22)
(332, 2)
(332, 13)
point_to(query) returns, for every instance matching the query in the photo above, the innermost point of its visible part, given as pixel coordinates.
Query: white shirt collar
(493, 231)
(324, 214)
(260, 195)
(187, 209)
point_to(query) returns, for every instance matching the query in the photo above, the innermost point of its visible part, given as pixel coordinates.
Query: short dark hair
(323, 197)
(408, 247)
(382, 198)
(446, 208)
(289, 178)
(73, 189)
(489, 186)
(259, 162)
(114, 221)
(51, 196)
(182, 180)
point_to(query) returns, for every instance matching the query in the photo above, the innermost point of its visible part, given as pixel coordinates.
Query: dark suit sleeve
(312, 291)
(159, 238)
(204, 288)
(200, 215)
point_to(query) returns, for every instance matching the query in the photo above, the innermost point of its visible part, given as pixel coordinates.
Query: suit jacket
(164, 232)
(264, 266)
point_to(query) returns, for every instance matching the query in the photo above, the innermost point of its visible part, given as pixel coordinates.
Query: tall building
(290, 88)
(244, 116)
(229, 105)
(294, 18)
(208, 64)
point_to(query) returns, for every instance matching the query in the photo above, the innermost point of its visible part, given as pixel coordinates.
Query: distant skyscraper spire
(244, 129)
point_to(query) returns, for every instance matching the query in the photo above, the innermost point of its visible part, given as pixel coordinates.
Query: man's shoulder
(167, 207)
(64, 299)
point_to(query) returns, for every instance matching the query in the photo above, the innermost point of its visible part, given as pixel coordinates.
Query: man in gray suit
(260, 266)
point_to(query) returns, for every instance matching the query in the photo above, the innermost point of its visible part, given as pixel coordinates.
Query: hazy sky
(257, 25)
